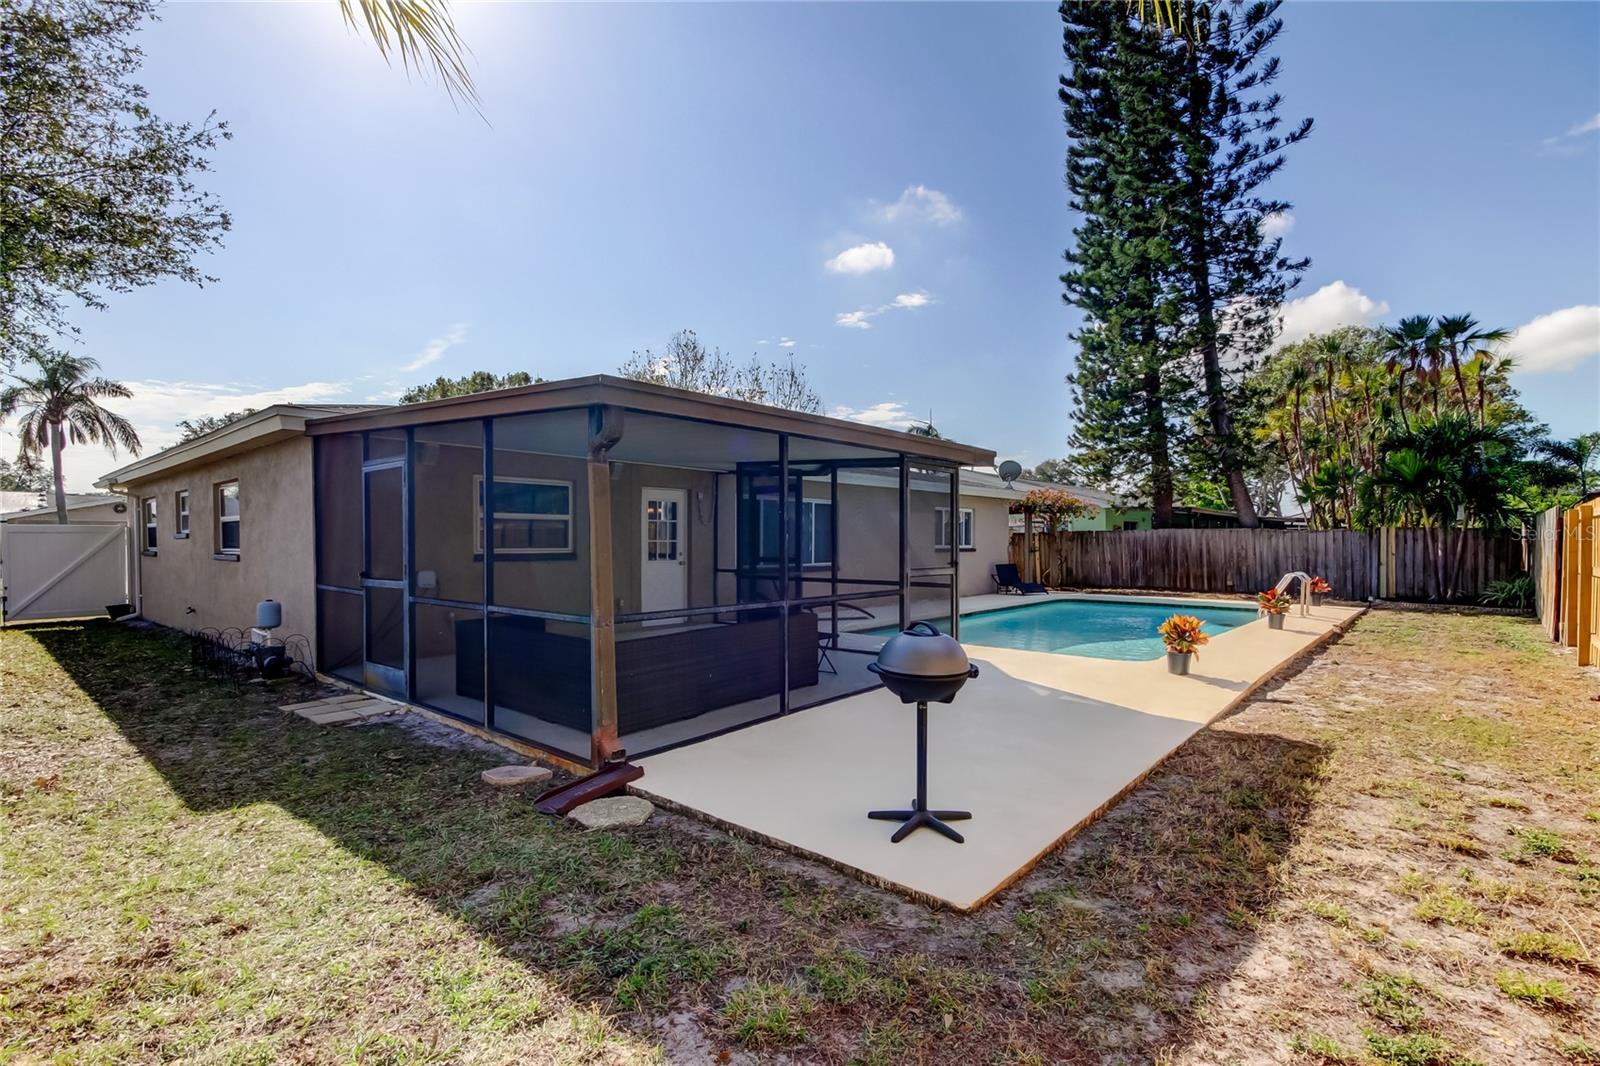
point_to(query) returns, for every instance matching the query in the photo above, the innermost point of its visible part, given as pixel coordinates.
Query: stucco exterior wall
(184, 586)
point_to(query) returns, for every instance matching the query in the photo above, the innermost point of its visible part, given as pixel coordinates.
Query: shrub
(1514, 592)
(1273, 601)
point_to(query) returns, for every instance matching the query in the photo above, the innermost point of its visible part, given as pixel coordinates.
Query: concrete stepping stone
(613, 812)
(508, 776)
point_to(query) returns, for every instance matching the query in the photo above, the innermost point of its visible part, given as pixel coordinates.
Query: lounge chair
(1006, 579)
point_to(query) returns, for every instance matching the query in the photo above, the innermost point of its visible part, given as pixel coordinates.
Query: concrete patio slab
(1037, 746)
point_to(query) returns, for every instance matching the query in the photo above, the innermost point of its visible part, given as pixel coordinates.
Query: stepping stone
(613, 812)
(507, 776)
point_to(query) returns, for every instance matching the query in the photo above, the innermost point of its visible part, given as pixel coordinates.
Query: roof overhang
(603, 389)
(269, 425)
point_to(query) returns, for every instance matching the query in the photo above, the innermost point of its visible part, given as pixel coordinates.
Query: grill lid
(922, 651)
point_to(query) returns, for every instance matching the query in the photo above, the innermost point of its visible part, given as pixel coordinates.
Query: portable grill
(922, 665)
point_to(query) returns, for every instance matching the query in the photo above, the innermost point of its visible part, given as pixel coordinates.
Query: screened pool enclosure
(600, 566)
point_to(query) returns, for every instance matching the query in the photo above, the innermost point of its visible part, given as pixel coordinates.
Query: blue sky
(645, 169)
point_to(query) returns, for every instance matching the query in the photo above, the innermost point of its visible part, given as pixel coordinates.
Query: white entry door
(664, 551)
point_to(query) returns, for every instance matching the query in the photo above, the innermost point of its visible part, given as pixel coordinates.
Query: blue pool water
(1101, 629)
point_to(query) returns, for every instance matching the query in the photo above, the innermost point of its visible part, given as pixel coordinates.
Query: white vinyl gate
(50, 571)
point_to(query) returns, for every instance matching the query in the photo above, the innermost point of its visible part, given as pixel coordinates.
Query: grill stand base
(919, 816)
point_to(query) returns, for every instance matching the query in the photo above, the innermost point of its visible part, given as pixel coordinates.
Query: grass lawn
(1391, 857)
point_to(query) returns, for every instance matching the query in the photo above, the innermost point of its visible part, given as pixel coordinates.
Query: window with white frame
(227, 511)
(147, 507)
(181, 510)
(941, 528)
(816, 532)
(532, 516)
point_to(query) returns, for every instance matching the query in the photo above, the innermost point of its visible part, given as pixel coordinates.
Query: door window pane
(385, 524)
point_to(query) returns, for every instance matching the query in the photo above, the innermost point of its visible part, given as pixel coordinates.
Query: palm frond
(424, 36)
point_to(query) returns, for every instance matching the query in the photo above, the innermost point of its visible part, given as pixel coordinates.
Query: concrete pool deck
(1037, 746)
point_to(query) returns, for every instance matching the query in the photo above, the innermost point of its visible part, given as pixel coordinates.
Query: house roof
(75, 501)
(655, 399)
(256, 430)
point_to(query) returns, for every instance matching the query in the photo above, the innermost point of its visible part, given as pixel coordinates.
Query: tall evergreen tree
(1232, 143)
(1128, 388)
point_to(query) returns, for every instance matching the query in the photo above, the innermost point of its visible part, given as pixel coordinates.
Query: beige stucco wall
(183, 586)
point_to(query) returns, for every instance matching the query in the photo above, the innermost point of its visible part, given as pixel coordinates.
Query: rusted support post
(605, 429)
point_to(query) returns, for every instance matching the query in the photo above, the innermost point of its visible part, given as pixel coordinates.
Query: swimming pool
(1101, 629)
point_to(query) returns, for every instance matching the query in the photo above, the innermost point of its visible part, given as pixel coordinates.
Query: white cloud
(1562, 143)
(1276, 224)
(862, 319)
(862, 259)
(1335, 304)
(434, 350)
(922, 204)
(889, 415)
(156, 407)
(786, 342)
(1557, 341)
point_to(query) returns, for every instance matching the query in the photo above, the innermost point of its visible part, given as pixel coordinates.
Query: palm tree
(61, 404)
(1580, 453)
(422, 33)
(1461, 339)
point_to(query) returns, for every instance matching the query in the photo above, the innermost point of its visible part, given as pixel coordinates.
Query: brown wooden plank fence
(1389, 563)
(1546, 571)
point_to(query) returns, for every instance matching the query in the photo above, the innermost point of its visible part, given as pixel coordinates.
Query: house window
(532, 516)
(227, 507)
(941, 528)
(182, 512)
(816, 532)
(147, 507)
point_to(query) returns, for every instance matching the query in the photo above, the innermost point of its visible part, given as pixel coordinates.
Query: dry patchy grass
(1392, 857)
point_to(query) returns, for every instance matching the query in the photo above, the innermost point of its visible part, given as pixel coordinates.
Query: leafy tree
(25, 475)
(1128, 385)
(1445, 475)
(61, 404)
(203, 424)
(1060, 471)
(442, 388)
(97, 193)
(1055, 506)
(1231, 145)
(688, 364)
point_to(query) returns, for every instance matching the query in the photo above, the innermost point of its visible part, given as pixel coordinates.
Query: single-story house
(81, 507)
(587, 566)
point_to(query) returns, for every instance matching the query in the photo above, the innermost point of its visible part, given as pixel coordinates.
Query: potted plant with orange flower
(1274, 603)
(1183, 635)
(1319, 590)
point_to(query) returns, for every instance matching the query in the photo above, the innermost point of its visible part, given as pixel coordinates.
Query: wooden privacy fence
(1545, 566)
(1579, 593)
(1383, 564)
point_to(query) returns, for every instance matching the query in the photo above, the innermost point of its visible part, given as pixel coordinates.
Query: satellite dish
(1010, 470)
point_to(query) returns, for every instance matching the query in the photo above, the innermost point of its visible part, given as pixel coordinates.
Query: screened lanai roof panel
(655, 399)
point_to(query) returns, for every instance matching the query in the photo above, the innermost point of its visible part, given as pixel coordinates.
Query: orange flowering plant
(1273, 602)
(1182, 633)
(1320, 586)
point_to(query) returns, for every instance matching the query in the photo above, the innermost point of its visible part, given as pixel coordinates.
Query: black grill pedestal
(922, 665)
(919, 815)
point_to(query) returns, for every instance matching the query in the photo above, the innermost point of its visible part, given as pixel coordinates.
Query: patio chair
(1006, 579)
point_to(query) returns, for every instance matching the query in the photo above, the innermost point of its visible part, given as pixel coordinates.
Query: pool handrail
(1305, 588)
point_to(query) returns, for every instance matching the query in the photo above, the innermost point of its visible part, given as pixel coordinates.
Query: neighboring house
(81, 507)
(620, 581)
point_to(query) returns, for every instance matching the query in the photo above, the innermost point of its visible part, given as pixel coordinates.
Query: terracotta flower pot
(1178, 661)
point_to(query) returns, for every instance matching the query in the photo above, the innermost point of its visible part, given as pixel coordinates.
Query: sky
(873, 190)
